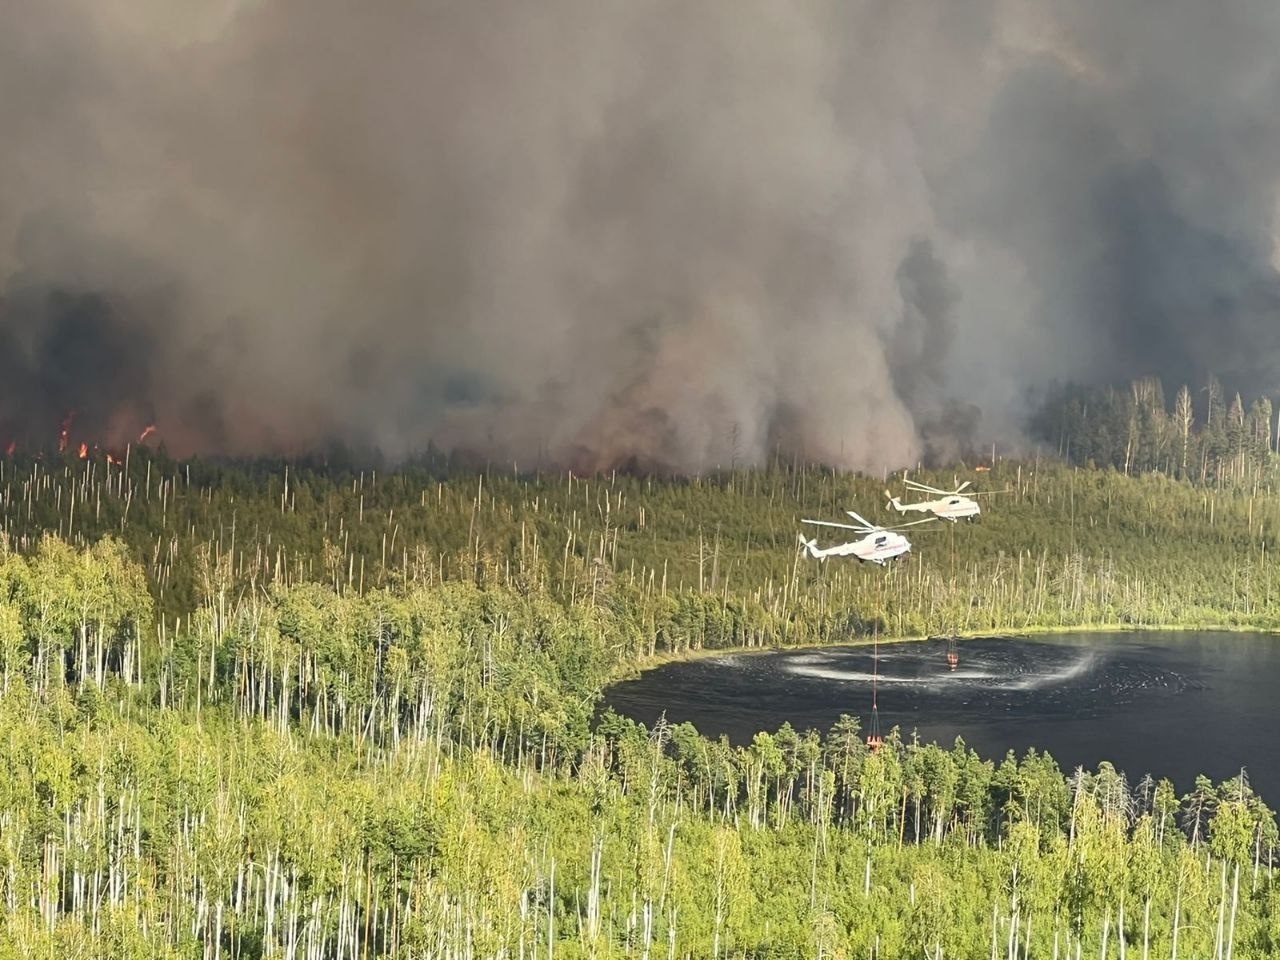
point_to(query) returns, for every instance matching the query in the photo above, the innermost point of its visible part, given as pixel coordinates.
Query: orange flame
(151, 428)
(84, 451)
(64, 432)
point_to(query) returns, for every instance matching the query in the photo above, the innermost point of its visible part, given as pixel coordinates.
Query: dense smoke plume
(625, 231)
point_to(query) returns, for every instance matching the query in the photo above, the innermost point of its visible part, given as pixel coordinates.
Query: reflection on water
(987, 670)
(1173, 704)
(992, 672)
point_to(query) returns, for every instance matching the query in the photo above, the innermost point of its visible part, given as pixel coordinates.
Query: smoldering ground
(678, 235)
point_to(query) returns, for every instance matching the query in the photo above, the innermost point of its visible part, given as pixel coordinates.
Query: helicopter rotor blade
(842, 526)
(987, 493)
(923, 487)
(960, 489)
(913, 523)
(862, 520)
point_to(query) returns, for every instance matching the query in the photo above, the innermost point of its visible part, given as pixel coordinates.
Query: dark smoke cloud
(922, 339)
(607, 232)
(69, 357)
(918, 350)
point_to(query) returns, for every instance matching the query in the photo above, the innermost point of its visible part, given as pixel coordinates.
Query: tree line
(1205, 435)
(711, 560)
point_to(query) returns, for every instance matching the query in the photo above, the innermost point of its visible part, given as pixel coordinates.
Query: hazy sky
(585, 231)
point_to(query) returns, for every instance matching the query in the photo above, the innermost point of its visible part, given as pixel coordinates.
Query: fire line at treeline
(84, 449)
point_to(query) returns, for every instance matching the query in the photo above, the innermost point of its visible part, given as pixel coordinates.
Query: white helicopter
(951, 505)
(877, 545)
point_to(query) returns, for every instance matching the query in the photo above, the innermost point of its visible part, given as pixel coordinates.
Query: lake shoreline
(1174, 702)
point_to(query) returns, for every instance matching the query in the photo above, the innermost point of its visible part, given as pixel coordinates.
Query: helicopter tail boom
(901, 507)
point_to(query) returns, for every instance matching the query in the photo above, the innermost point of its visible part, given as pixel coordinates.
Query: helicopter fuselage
(879, 547)
(951, 508)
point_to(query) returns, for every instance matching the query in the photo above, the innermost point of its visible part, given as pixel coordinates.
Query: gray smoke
(677, 235)
(918, 350)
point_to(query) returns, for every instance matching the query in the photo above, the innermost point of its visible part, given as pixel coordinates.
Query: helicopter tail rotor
(809, 547)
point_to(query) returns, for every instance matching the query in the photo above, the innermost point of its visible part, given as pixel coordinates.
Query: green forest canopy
(269, 710)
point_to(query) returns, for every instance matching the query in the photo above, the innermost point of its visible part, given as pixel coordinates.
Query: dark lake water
(1172, 704)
